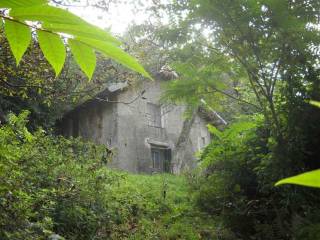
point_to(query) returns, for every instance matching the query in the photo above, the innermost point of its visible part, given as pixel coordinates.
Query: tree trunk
(179, 153)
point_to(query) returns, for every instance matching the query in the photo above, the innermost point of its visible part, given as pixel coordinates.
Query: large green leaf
(46, 14)
(19, 37)
(21, 3)
(85, 30)
(116, 54)
(53, 49)
(309, 179)
(56, 20)
(60, 20)
(84, 56)
(315, 103)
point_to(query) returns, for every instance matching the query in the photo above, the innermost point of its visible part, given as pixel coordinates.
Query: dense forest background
(254, 62)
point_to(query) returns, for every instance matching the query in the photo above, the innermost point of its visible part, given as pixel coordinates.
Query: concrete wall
(136, 136)
(134, 132)
(95, 121)
(126, 128)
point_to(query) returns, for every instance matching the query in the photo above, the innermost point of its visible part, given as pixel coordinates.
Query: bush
(240, 167)
(57, 188)
(51, 185)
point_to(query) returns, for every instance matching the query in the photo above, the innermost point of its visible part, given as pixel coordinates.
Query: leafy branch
(50, 25)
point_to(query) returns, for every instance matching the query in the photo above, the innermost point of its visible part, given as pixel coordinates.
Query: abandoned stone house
(145, 135)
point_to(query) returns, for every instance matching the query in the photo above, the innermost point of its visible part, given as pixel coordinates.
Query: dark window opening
(155, 159)
(203, 139)
(161, 159)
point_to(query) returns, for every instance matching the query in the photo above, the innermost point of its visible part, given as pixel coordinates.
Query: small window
(203, 141)
(154, 115)
(155, 159)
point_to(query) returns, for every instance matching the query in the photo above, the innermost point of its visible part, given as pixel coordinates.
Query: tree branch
(232, 97)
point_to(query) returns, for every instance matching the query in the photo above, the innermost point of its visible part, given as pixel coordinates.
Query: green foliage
(154, 215)
(33, 86)
(255, 36)
(262, 41)
(309, 179)
(54, 22)
(52, 185)
(238, 170)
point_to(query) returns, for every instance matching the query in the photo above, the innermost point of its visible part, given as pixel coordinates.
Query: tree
(275, 43)
(267, 38)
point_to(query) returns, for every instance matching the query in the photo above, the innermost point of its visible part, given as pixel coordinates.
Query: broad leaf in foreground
(308, 179)
(53, 49)
(84, 56)
(53, 22)
(87, 31)
(115, 53)
(46, 14)
(315, 103)
(19, 37)
(21, 3)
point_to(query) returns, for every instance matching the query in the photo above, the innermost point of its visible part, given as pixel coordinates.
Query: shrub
(240, 167)
(51, 184)
(57, 188)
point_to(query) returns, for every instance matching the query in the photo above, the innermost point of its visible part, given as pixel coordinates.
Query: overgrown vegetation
(237, 183)
(54, 186)
(254, 62)
(249, 59)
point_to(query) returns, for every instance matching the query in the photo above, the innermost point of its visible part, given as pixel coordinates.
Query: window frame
(153, 114)
(156, 152)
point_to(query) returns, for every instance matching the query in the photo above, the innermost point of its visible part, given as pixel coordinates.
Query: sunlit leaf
(308, 179)
(55, 21)
(84, 56)
(116, 54)
(46, 14)
(315, 103)
(87, 31)
(19, 37)
(53, 49)
(21, 3)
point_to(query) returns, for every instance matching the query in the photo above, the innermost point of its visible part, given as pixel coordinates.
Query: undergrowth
(57, 188)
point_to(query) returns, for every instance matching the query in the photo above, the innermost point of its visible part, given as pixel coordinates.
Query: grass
(158, 207)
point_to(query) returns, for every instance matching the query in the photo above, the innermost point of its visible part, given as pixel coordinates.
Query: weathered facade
(145, 135)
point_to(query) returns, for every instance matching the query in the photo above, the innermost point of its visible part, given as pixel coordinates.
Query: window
(161, 159)
(155, 154)
(154, 115)
(203, 141)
